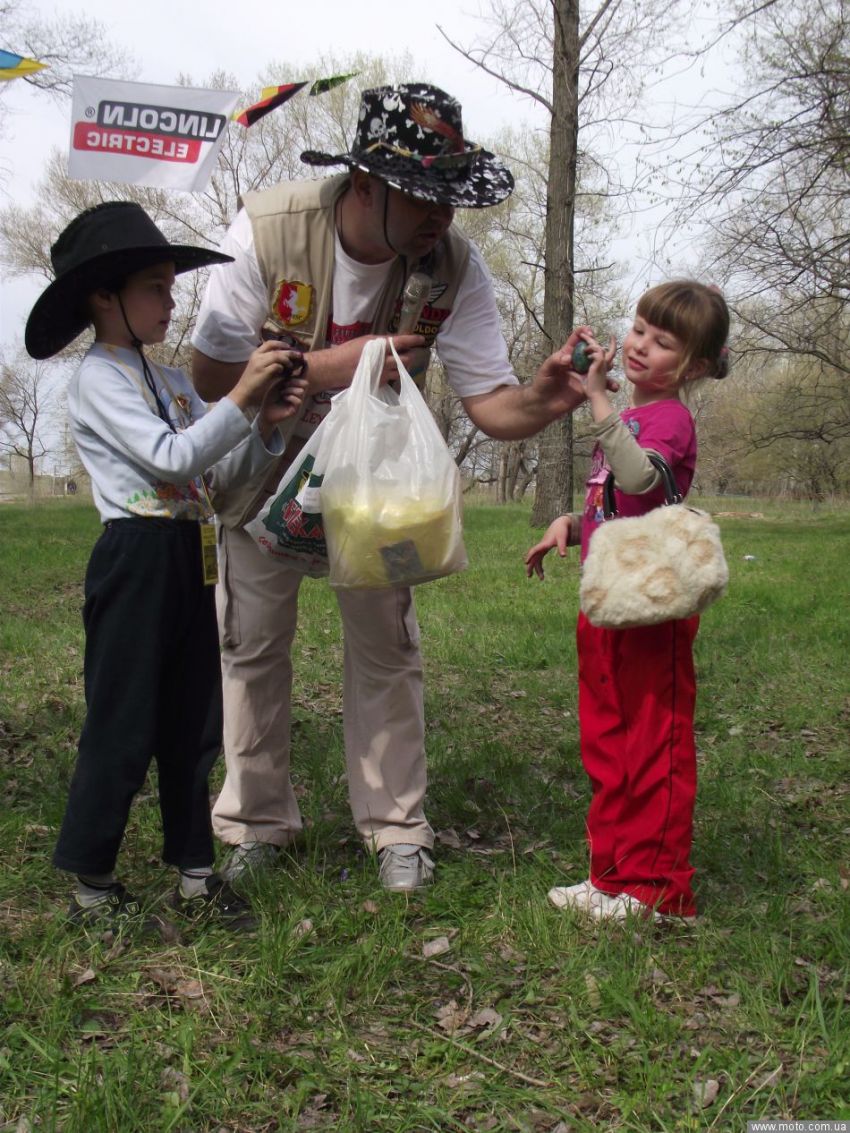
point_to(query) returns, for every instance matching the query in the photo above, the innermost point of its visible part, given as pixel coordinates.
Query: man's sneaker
(116, 909)
(250, 858)
(218, 903)
(404, 868)
(583, 897)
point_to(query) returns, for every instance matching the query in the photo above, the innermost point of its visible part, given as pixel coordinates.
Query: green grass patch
(331, 1017)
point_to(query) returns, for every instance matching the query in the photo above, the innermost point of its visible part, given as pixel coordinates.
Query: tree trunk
(554, 492)
(516, 463)
(523, 484)
(502, 478)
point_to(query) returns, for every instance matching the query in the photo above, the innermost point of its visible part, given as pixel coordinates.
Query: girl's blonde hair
(699, 318)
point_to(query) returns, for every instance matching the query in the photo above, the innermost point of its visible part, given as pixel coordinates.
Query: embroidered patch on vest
(292, 302)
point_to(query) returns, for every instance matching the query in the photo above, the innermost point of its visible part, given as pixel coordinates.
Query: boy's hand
(557, 535)
(281, 402)
(267, 366)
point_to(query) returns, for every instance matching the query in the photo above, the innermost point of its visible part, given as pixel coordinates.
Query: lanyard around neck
(148, 389)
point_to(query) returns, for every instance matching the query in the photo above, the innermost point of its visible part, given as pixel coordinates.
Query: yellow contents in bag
(389, 542)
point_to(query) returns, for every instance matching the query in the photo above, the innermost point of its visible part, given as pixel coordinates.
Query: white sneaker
(250, 858)
(570, 896)
(405, 867)
(583, 897)
(625, 906)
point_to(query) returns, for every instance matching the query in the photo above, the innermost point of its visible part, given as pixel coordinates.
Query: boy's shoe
(250, 858)
(116, 909)
(404, 867)
(218, 903)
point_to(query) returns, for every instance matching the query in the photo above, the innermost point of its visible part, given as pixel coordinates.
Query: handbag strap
(672, 495)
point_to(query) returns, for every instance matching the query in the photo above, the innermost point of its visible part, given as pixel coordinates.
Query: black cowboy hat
(411, 137)
(99, 248)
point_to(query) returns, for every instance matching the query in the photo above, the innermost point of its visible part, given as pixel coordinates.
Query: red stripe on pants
(637, 693)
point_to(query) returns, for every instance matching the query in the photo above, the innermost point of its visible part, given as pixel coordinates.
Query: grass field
(335, 1015)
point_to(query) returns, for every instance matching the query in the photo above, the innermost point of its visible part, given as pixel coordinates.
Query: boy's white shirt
(137, 464)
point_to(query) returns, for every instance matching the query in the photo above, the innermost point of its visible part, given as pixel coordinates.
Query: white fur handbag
(652, 568)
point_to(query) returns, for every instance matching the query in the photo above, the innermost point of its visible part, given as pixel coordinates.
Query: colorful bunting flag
(14, 66)
(270, 99)
(321, 86)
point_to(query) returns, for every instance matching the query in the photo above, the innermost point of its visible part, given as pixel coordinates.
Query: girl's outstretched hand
(557, 535)
(601, 360)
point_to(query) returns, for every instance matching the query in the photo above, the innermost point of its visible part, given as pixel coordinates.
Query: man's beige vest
(294, 229)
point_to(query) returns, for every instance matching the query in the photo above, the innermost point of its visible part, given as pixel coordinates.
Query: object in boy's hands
(581, 360)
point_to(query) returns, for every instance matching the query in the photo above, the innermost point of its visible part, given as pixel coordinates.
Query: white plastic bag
(288, 527)
(391, 495)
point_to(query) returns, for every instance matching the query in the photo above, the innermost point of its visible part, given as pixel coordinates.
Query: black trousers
(153, 691)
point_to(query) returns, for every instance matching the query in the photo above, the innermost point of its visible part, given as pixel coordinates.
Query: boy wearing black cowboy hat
(323, 264)
(151, 663)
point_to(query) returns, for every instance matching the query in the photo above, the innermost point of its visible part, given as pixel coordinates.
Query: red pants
(636, 713)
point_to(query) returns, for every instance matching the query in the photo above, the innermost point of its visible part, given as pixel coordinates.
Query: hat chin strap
(136, 341)
(146, 370)
(386, 234)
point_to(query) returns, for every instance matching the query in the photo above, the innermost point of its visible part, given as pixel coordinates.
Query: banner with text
(146, 134)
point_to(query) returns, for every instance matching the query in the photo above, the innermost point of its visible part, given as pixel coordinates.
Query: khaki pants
(383, 713)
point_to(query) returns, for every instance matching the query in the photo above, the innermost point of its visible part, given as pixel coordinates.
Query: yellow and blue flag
(15, 66)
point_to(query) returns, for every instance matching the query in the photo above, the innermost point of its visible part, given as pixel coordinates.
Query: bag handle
(672, 495)
(367, 375)
(407, 386)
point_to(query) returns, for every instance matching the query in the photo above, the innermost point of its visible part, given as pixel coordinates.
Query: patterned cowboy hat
(99, 248)
(411, 137)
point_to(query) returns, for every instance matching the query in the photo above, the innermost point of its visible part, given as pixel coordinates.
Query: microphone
(413, 299)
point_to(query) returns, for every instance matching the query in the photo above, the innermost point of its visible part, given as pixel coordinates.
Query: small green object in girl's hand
(581, 361)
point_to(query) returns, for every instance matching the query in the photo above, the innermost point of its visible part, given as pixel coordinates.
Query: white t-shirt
(470, 343)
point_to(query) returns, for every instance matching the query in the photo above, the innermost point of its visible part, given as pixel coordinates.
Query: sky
(168, 38)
